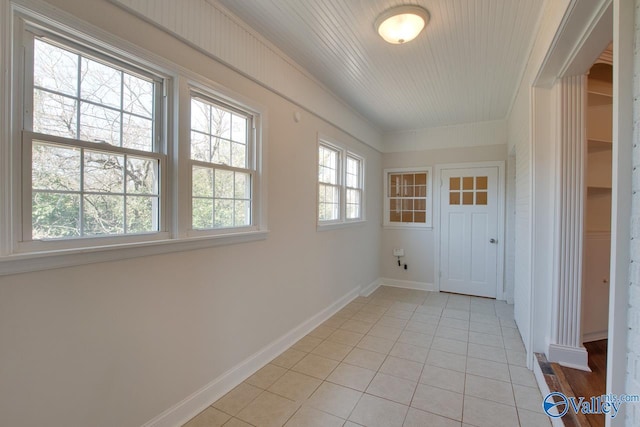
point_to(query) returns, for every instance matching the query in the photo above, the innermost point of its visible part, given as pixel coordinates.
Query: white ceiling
(465, 67)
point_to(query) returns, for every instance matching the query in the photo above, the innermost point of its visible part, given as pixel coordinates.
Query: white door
(469, 231)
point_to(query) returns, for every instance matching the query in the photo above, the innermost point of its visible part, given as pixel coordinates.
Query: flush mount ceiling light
(402, 24)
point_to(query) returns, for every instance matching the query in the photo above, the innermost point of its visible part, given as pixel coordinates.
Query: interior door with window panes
(469, 226)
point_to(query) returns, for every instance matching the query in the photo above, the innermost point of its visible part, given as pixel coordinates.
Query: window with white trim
(408, 199)
(340, 185)
(92, 143)
(222, 164)
(101, 159)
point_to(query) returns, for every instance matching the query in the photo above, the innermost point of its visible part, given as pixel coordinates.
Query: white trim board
(571, 357)
(595, 336)
(407, 284)
(192, 405)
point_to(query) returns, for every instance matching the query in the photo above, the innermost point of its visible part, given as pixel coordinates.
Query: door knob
(493, 241)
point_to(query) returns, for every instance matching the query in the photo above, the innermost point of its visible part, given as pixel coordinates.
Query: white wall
(117, 343)
(419, 244)
(476, 134)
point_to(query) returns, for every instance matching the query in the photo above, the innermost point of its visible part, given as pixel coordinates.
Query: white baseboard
(371, 288)
(595, 336)
(198, 401)
(571, 357)
(408, 284)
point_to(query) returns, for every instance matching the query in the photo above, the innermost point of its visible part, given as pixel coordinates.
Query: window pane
(103, 172)
(55, 68)
(100, 83)
(220, 122)
(200, 146)
(329, 202)
(467, 183)
(55, 215)
(467, 198)
(454, 198)
(202, 182)
(202, 213)
(137, 96)
(242, 189)
(221, 151)
(454, 183)
(239, 155)
(353, 173)
(242, 211)
(481, 198)
(55, 167)
(200, 116)
(54, 114)
(223, 213)
(141, 214)
(395, 185)
(223, 184)
(99, 124)
(103, 214)
(481, 182)
(421, 179)
(142, 175)
(137, 133)
(353, 204)
(239, 129)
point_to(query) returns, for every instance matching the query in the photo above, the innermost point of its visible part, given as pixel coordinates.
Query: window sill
(46, 260)
(407, 227)
(339, 225)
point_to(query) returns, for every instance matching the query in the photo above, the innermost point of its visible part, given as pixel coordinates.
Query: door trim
(500, 293)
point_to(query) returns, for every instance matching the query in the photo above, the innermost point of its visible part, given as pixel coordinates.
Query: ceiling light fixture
(402, 24)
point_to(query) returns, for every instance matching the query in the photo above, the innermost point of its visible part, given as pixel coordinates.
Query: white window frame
(359, 188)
(205, 93)
(174, 235)
(387, 200)
(343, 153)
(23, 104)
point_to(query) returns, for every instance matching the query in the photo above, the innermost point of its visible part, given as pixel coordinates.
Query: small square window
(407, 197)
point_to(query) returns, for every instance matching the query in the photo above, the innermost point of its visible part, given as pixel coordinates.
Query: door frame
(437, 184)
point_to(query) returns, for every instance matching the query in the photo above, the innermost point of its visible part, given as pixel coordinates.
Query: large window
(91, 143)
(222, 165)
(408, 197)
(340, 185)
(118, 150)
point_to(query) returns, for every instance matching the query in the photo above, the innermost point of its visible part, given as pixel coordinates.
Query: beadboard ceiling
(465, 67)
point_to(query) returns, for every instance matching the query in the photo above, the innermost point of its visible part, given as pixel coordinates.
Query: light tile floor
(396, 358)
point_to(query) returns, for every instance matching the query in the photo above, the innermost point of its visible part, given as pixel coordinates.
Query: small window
(92, 146)
(408, 197)
(222, 165)
(340, 185)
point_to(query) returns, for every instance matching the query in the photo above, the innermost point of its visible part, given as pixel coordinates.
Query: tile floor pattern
(397, 358)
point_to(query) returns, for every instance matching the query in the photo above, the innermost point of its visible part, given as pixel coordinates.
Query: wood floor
(593, 383)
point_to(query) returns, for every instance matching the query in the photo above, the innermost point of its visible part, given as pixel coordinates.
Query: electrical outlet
(398, 252)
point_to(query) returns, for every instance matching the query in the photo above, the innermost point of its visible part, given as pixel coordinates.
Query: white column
(566, 341)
